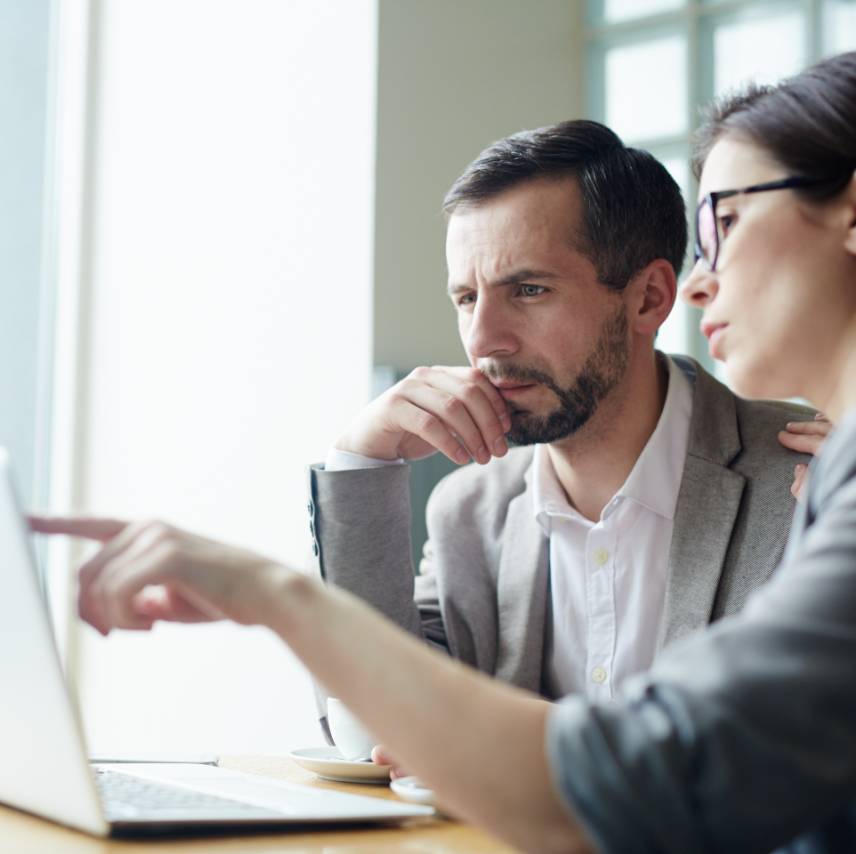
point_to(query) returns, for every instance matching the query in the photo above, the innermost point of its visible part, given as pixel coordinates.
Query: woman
(742, 737)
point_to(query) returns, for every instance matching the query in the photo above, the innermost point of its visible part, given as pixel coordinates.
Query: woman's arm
(478, 743)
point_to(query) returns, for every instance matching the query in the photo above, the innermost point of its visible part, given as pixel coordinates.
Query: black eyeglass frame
(711, 199)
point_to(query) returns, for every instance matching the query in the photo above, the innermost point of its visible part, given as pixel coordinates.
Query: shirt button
(598, 675)
(601, 556)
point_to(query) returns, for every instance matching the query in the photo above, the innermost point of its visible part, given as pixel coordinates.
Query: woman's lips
(714, 333)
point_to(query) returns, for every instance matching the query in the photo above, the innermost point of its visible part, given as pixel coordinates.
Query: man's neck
(594, 463)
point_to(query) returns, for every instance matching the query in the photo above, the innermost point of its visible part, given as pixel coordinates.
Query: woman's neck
(842, 396)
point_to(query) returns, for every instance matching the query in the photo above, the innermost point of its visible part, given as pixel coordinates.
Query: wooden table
(24, 834)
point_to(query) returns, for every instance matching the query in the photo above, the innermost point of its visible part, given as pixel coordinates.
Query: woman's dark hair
(633, 211)
(807, 123)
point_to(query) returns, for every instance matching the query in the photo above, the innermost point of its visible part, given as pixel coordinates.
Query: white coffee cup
(351, 738)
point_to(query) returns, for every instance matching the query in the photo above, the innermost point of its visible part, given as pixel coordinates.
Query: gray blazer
(482, 593)
(741, 738)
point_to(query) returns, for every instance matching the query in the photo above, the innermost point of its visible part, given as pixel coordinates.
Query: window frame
(696, 20)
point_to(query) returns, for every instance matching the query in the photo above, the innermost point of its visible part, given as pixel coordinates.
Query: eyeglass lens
(706, 231)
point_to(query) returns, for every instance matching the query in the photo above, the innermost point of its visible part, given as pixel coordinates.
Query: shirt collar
(655, 479)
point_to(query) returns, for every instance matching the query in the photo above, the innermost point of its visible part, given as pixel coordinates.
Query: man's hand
(147, 571)
(456, 411)
(804, 437)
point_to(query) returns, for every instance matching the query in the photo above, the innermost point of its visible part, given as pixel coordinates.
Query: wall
(452, 77)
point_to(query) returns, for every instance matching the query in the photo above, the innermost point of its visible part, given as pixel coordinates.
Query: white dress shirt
(608, 578)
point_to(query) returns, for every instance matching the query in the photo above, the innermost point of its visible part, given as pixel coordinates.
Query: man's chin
(532, 429)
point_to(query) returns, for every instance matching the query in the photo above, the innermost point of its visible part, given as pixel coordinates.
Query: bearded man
(643, 500)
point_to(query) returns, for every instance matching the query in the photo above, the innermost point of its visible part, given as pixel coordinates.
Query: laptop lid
(44, 769)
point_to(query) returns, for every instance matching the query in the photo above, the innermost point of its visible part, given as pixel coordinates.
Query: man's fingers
(88, 527)
(473, 376)
(483, 402)
(464, 413)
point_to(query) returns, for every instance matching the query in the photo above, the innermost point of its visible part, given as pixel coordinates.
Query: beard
(602, 370)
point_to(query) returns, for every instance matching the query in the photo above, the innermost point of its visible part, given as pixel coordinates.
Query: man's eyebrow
(517, 277)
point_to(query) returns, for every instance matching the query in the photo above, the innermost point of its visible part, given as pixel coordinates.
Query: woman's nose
(700, 287)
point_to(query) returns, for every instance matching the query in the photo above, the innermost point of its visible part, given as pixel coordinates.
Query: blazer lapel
(707, 508)
(522, 585)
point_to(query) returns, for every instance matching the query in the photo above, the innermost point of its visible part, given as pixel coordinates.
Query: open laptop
(43, 760)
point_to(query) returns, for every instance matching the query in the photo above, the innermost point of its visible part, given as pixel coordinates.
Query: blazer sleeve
(362, 531)
(742, 736)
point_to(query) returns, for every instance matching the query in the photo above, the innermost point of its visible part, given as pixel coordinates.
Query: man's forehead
(513, 229)
(544, 200)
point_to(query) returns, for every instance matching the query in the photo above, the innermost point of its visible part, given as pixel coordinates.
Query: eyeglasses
(707, 228)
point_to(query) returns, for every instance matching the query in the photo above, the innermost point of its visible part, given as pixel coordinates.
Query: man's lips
(512, 389)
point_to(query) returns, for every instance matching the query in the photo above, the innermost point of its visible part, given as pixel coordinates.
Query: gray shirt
(743, 737)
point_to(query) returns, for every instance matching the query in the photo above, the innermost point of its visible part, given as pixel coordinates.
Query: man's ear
(655, 288)
(850, 238)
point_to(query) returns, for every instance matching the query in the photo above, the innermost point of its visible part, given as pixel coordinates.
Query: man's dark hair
(633, 211)
(807, 123)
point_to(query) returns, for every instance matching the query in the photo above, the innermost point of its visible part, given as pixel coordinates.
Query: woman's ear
(850, 238)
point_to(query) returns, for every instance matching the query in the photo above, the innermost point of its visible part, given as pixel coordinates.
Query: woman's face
(784, 290)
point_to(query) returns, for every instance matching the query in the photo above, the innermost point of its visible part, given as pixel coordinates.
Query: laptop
(44, 767)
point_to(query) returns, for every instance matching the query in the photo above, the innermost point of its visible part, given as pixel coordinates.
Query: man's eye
(466, 299)
(532, 290)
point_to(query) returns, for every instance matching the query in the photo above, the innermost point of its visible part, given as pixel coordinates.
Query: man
(646, 499)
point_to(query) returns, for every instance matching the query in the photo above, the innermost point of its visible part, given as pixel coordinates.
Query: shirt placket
(600, 608)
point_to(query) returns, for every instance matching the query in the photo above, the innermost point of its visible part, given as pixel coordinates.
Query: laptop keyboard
(128, 798)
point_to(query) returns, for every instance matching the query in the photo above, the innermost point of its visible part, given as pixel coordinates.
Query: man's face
(531, 313)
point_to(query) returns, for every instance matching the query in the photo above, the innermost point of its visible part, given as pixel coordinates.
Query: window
(220, 250)
(651, 63)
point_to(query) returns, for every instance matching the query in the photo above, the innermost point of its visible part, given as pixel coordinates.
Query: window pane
(759, 49)
(623, 10)
(675, 334)
(679, 169)
(839, 26)
(646, 88)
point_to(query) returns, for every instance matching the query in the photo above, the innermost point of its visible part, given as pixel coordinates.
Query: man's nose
(490, 331)
(700, 287)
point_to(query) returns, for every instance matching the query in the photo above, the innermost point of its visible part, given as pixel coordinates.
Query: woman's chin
(756, 381)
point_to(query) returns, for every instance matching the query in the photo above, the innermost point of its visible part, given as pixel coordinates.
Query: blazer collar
(522, 588)
(708, 504)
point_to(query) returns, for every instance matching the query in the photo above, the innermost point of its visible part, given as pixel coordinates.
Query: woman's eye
(532, 290)
(466, 299)
(726, 221)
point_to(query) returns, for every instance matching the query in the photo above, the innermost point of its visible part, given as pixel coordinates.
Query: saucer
(414, 790)
(328, 764)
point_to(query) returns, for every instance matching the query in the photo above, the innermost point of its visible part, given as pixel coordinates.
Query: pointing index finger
(88, 527)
